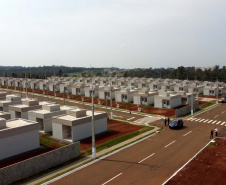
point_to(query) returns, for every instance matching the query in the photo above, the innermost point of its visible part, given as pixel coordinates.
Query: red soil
(207, 168)
(202, 102)
(115, 129)
(206, 96)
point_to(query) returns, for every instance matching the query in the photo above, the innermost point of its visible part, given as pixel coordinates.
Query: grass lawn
(205, 105)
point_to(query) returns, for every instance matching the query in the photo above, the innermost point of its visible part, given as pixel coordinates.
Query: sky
(120, 33)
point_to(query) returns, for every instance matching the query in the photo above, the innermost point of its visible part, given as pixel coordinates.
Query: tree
(60, 72)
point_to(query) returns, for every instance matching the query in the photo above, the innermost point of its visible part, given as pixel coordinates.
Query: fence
(38, 164)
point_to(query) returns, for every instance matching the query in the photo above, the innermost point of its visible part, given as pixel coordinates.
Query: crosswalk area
(210, 121)
(147, 120)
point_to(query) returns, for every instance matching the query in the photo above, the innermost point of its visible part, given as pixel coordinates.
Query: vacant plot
(207, 168)
(115, 129)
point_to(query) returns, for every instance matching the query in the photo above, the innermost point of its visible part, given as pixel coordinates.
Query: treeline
(182, 73)
(46, 71)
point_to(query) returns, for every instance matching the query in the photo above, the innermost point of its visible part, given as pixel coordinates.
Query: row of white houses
(162, 93)
(21, 120)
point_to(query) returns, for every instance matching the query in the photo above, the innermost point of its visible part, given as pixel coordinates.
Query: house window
(181, 89)
(122, 83)
(155, 86)
(132, 84)
(107, 95)
(143, 85)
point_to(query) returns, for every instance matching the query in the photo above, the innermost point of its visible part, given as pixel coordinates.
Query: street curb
(97, 160)
(187, 162)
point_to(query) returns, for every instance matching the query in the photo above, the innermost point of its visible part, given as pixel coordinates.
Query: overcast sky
(119, 33)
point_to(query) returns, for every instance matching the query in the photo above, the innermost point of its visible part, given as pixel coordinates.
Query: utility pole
(111, 100)
(192, 103)
(26, 85)
(93, 128)
(217, 92)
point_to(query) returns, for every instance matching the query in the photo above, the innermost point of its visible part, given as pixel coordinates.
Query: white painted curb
(187, 163)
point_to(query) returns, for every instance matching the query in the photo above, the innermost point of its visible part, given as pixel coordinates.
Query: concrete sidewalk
(87, 159)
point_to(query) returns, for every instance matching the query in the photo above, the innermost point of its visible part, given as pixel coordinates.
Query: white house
(17, 136)
(104, 92)
(76, 124)
(144, 97)
(44, 115)
(78, 89)
(125, 95)
(21, 110)
(10, 100)
(167, 100)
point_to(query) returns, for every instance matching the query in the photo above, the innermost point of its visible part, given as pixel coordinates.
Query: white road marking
(170, 143)
(201, 120)
(187, 133)
(117, 116)
(215, 116)
(130, 118)
(210, 121)
(197, 119)
(206, 120)
(194, 119)
(222, 123)
(218, 122)
(146, 158)
(223, 112)
(112, 179)
(214, 122)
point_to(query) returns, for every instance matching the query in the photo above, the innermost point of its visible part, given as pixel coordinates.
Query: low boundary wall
(186, 110)
(38, 164)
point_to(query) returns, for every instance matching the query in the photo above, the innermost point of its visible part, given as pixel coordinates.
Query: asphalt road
(153, 160)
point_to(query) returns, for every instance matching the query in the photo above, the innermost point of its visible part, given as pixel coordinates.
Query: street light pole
(192, 103)
(217, 92)
(26, 85)
(111, 100)
(93, 129)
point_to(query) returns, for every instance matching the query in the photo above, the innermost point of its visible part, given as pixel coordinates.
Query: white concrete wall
(136, 100)
(158, 102)
(17, 144)
(47, 125)
(24, 115)
(57, 130)
(12, 114)
(150, 100)
(101, 95)
(118, 97)
(175, 102)
(85, 130)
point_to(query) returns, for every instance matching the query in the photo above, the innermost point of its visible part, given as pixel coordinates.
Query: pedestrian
(216, 131)
(165, 121)
(168, 120)
(211, 134)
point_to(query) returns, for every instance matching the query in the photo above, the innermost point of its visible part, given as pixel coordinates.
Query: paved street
(153, 160)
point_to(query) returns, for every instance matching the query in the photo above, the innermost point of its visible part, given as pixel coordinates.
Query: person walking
(168, 120)
(211, 134)
(216, 132)
(165, 121)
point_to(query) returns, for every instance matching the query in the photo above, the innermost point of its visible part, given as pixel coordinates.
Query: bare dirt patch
(115, 129)
(208, 168)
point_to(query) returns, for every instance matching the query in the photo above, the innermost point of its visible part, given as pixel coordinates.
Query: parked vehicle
(222, 101)
(176, 123)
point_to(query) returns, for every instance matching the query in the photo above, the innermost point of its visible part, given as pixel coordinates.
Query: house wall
(84, 130)
(136, 100)
(150, 100)
(158, 102)
(57, 130)
(175, 102)
(17, 144)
